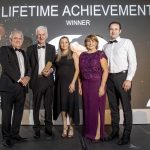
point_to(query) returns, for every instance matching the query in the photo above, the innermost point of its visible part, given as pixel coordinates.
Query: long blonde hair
(69, 54)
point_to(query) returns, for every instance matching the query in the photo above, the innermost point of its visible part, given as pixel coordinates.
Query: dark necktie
(19, 50)
(114, 41)
(39, 47)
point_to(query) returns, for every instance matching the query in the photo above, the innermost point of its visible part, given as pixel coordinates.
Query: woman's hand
(101, 91)
(71, 87)
(80, 90)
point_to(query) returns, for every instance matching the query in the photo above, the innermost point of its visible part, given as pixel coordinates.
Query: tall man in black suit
(13, 86)
(42, 81)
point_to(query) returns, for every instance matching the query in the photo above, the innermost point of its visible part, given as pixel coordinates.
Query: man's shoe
(49, 133)
(7, 143)
(124, 141)
(19, 138)
(112, 136)
(37, 135)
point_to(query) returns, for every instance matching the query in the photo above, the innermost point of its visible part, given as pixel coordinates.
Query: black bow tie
(40, 47)
(19, 50)
(114, 41)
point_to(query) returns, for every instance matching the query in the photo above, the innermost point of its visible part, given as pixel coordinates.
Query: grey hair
(41, 28)
(14, 32)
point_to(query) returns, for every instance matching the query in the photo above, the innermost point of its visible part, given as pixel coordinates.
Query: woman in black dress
(66, 99)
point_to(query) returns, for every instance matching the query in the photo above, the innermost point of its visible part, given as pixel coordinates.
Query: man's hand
(126, 85)
(47, 72)
(47, 67)
(24, 80)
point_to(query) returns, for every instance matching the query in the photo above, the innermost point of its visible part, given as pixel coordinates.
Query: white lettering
(3, 15)
(44, 12)
(23, 9)
(96, 10)
(78, 22)
(133, 10)
(114, 11)
(15, 10)
(141, 10)
(73, 10)
(86, 10)
(31, 9)
(105, 10)
(54, 10)
(123, 12)
(66, 11)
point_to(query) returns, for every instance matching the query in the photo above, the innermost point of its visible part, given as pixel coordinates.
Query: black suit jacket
(10, 68)
(34, 63)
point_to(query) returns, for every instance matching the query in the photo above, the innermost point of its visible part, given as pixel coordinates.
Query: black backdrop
(134, 16)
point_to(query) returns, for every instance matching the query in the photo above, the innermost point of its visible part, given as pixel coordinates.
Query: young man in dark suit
(13, 87)
(42, 80)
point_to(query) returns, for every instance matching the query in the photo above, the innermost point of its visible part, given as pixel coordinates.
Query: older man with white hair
(41, 54)
(13, 87)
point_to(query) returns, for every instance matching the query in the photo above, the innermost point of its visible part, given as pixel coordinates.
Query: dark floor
(140, 140)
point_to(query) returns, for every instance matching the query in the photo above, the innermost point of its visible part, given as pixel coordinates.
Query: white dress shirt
(121, 56)
(41, 58)
(21, 63)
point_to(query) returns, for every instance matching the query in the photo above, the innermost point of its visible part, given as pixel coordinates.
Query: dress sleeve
(102, 55)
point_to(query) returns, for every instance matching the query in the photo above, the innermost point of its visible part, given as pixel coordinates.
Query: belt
(122, 72)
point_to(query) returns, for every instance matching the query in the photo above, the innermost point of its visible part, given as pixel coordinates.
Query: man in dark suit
(42, 80)
(13, 86)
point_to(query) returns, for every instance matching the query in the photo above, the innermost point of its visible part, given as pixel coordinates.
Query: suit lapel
(25, 59)
(14, 57)
(36, 53)
(46, 54)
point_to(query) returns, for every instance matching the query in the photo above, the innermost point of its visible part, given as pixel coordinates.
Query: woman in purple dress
(93, 76)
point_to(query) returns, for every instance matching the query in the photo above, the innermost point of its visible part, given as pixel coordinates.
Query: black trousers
(116, 94)
(45, 91)
(12, 110)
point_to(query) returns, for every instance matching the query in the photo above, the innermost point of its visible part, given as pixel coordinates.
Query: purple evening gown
(91, 75)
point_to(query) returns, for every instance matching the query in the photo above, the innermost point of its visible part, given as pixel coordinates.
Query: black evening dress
(63, 100)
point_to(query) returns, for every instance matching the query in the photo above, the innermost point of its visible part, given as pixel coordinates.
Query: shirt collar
(117, 39)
